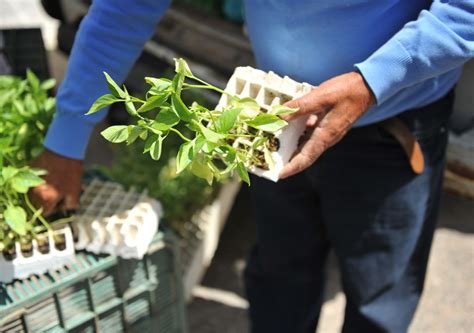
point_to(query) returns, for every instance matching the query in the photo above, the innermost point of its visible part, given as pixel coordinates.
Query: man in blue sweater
(379, 66)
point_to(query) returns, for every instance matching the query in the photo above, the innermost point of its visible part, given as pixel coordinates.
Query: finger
(313, 102)
(312, 121)
(47, 197)
(309, 152)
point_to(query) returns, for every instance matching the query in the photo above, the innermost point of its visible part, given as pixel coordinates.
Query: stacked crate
(98, 293)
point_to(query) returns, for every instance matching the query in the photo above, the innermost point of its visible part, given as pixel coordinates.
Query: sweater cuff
(68, 136)
(386, 70)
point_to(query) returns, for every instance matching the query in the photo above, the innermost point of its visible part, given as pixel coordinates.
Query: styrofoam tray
(21, 267)
(269, 89)
(115, 221)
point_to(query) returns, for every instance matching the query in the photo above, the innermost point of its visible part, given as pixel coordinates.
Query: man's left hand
(337, 103)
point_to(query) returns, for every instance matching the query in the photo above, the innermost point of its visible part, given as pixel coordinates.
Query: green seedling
(26, 110)
(210, 150)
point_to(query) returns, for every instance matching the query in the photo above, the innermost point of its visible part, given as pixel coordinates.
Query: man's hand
(337, 103)
(63, 183)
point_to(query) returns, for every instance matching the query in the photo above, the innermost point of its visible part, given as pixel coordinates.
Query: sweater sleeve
(110, 38)
(441, 39)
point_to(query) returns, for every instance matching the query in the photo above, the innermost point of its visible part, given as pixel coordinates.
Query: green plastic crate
(101, 294)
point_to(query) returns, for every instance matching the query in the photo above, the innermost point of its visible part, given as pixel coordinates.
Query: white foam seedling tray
(38, 263)
(269, 89)
(115, 221)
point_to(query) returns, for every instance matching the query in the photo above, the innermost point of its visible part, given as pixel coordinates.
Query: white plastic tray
(269, 89)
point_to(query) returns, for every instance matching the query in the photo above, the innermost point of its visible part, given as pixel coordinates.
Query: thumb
(45, 196)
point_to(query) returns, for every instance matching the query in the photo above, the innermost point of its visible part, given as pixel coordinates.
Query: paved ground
(220, 306)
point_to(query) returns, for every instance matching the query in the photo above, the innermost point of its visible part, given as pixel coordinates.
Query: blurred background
(39, 35)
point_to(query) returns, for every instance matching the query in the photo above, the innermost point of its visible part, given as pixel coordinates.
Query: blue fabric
(377, 215)
(410, 52)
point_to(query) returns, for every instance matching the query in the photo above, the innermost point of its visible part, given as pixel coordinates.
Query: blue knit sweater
(409, 52)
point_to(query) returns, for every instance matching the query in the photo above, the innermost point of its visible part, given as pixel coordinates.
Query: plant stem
(180, 134)
(136, 99)
(33, 209)
(198, 86)
(212, 119)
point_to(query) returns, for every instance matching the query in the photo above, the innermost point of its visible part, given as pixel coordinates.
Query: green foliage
(208, 149)
(26, 110)
(182, 195)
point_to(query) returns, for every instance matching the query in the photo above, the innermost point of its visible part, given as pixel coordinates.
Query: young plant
(220, 142)
(26, 110)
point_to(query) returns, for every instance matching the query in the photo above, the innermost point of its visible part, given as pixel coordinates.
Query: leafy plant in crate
(26, 110)
(213, 149)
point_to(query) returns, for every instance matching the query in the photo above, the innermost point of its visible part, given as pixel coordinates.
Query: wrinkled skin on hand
(337, 103)
(62, 185)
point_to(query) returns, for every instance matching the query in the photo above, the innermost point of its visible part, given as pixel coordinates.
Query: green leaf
(242, 172)
(209, 147)
(15, 217)
(165, 119)
(246, 102)
(9, 172)
(32, 80)
(184, 157)
(249, 106)
(153, 102)
(38, 172)
(182, 67)
(227, 120)
(181, 110)
(159, 84)
(177, 83)
(102, 102)
(259, 142)
(113, 87)
(281, 110)
(155, 149)
(133, 133)
(200, 168)
(5, 143)
(229, 154)
(129, 106)
(24, 180)
(149, 142)
(115, 134)
(198, 142)
(267, 122)
(48, 84)
(209, 134)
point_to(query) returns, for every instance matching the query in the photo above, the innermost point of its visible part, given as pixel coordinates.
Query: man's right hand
(62, 185)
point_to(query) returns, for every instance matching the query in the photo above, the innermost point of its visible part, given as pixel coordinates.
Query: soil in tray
(260, 163)
(26, 246)
(9, 253)
(75, 232)
(60, 242)
(43, 244)
(273, 143)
